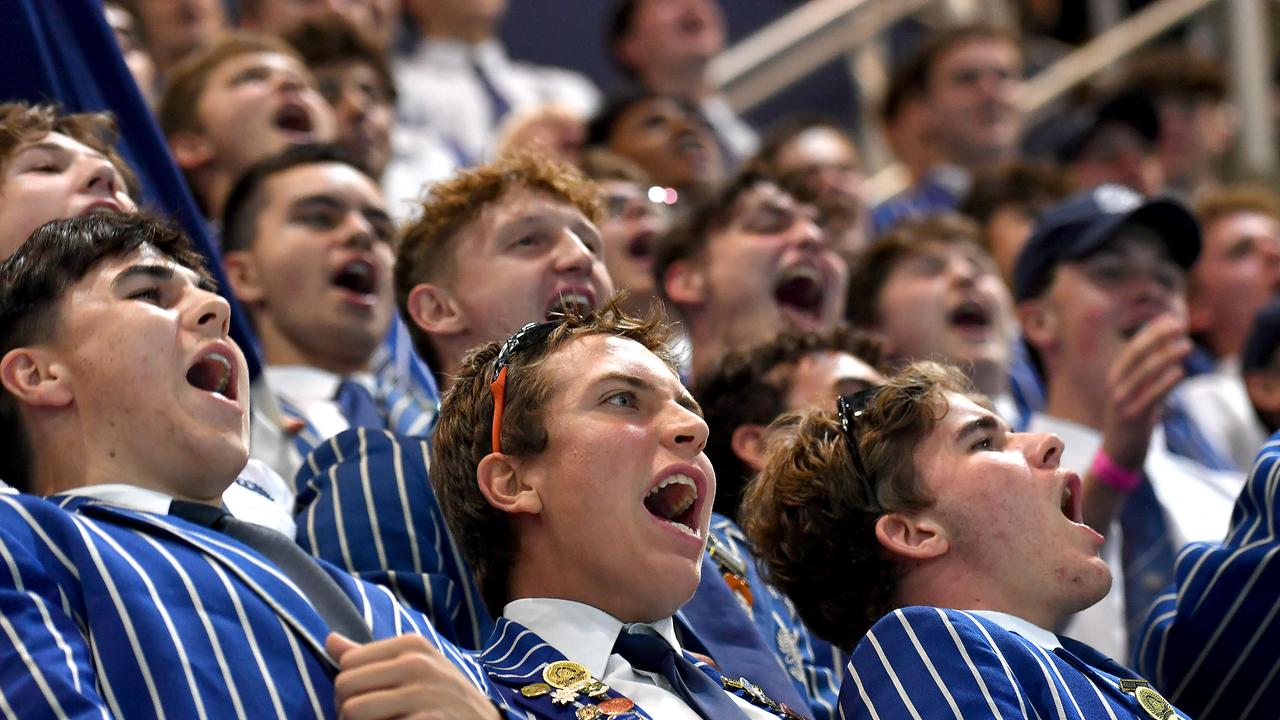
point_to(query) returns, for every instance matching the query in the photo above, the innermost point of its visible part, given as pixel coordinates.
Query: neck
(1073, 401)
(687, 81)
(708, 347)
(960, 588)
(211, 189)
(278, 351)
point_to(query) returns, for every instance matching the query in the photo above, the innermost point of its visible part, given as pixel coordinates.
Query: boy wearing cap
(1100, 291)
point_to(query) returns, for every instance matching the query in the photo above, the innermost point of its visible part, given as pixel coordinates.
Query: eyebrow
(333, 202)
(56, 148)
(163, 273)
(684, 399)
(984, 423)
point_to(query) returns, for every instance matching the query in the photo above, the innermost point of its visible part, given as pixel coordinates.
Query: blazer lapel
(747, 690)
(515, 659)
(254, 572)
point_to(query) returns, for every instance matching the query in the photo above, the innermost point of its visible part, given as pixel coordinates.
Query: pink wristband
(1112, 475)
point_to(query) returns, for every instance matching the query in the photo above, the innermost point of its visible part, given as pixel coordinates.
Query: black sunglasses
(849, 409)
(531, 335)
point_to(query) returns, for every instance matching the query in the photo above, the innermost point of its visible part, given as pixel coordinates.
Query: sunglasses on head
(531, 335)
(849, 410)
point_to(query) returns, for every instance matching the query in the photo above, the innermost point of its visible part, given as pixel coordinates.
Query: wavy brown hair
(807, 515)
(463, 434)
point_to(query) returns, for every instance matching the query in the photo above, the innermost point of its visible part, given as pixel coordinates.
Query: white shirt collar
(459, 53)
(304, 383)
(1015, 624)
(131, 497)
(581, 633)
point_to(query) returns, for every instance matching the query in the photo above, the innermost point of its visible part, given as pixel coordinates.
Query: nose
(1043, 450)
(101, 179)
(357, 231)
(290, 80)
(208, 313)
(573, 254)
(687, 433)
(964, 271)
(806, 233)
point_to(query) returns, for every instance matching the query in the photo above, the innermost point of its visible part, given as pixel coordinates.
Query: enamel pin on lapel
(1148, 699)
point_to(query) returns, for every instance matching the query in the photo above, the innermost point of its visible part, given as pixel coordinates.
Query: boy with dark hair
(132, 406)
(239, 99)
(747, 265)
(913, 528)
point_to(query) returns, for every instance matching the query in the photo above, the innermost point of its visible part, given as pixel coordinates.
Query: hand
(1137, 384)
(401, 677)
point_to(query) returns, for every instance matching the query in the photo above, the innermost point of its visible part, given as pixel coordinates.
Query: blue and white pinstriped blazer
(928, 662)
(366, 505)
(1211, 640)
(107, 612)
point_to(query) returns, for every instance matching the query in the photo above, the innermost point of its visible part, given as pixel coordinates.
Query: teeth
(225, 381)
(685, 528)
(578, 301)
(676, 480)
(803, 271)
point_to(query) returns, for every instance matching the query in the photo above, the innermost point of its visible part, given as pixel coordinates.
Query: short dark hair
(902, 241)
(744, 387)
(333, 39)
(906, 82)
(621, 17)
(1027, 186)
(1176, 71)
(808, 518)
(771, 145)
(245, 202)
(462, 437)
(34, 280)
(689, 238)
(947, 39)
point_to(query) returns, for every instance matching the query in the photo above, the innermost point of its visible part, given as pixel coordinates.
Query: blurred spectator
(1117, 144)
(459, 82)
(173, 29)
(1237, 274)
(930, 291)
(373, 19)
(494, 248)
(819, 157)
(552, 130)
(1100, 288)
(1197, 126)
(907, 124)
(666, 46)
(1005, 200)
(1261, 367)
(970, 76)
(630, 227)
(746, 266)
(355, 78)
(242, 98)
(665, 136)
(136, 55)
(55, 165)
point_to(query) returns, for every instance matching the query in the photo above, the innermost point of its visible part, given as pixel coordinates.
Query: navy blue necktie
(645, 649)
(358, 406)
(1146, 554)
(497, 103)
(333, 605)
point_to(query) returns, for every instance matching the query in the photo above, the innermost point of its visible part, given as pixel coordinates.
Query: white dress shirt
(439, 89)
(311, 392)
(240, 501)
(1197, 502)
(1025, 628)
(586, 635)
(1219, 405)
(730, 129)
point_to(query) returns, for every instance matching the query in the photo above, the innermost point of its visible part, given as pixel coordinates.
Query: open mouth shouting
(294, 119)
(801, 293)
(357, 279)
(970, 318)
(214, 372)
(677, 501)
(576, 300)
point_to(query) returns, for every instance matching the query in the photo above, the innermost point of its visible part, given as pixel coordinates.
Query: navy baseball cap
(1080, 225)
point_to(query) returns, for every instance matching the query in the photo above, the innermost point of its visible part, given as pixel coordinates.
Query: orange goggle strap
(499, 389)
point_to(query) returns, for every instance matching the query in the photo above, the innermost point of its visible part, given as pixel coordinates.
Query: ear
(433, 309)
(34, 377)
(500, 483)
(748, 444)
(911, 537)
(191, 151)
(1039, 323)
(686, 283)
(243, 276)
